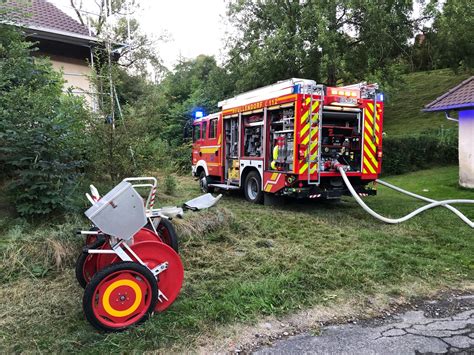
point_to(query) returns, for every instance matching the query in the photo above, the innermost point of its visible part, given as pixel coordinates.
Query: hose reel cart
(130, 266)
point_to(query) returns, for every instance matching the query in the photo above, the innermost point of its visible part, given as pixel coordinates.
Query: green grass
(403, 113)
(246, 262)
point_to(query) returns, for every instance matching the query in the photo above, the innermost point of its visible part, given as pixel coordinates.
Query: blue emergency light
(380, 96)
(198, 114)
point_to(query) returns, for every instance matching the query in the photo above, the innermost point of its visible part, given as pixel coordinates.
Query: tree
(330, 41)
(454, 34)
(274, 41)
(383, 30)
(198, 83)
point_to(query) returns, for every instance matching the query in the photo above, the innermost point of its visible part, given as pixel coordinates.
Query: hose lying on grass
(432, 204)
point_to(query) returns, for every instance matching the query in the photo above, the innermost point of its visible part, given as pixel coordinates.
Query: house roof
(458, 98)
(44, 19)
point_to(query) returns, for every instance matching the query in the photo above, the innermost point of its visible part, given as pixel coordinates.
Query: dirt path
(441, 326)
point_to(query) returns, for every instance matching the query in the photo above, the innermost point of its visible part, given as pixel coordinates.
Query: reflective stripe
(368, 142)
(303, 168)
(304, 130)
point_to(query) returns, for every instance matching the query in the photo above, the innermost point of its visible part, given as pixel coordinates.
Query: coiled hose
(432, 203)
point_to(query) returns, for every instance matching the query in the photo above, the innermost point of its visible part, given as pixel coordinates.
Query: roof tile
(461, 96)
(41, 13)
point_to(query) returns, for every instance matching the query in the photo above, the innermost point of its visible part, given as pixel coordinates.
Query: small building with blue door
(460, 99)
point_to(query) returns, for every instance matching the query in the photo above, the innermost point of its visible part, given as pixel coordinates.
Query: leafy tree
(330, 41)
(194, 84)
(42, 137)
(382, 29)
(274, 40)
(454, 34)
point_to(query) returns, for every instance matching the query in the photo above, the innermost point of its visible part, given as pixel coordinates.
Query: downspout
(446, 113)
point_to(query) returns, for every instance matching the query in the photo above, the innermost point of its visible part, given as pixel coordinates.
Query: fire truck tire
(119, 296)
(203, 183)
(253, 187)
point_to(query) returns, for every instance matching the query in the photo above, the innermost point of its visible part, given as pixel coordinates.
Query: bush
(41, 130)
(182, 158)
(170, 185)
(411, 153)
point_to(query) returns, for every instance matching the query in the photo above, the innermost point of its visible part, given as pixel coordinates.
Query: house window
(213, 128)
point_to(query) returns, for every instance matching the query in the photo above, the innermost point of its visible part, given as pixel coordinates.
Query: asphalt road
(438, 327)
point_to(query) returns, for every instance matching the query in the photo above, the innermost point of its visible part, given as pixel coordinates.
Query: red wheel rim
(89, 267)
(170, 281)
(104, 260)
(142, 235)
(91, 239)
(121, 299)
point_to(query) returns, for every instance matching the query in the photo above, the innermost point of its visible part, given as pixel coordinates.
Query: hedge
(411, 153)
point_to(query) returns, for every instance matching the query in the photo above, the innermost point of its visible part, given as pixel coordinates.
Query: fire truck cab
(287, 138)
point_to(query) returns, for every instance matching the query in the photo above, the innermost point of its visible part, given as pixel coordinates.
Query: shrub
(41, 130)
(170, 185)
(182, 158)
(411, 153)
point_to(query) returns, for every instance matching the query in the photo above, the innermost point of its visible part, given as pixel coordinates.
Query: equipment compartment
(341, 139)
(253, 135)
(282, 123)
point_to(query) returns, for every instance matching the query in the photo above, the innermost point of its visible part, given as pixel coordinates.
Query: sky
(193, 26)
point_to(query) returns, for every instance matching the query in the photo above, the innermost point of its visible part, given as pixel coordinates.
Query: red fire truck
(286, 139)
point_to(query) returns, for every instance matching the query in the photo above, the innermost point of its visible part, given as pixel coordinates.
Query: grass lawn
(243, 262)
(403, 113)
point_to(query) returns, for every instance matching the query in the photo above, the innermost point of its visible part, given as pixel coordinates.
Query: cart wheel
(142, 235)
(145, 234)
(154, 253)
(119, 296)
(104, 260)
(86, 265)
(168, 234)
(91, 238)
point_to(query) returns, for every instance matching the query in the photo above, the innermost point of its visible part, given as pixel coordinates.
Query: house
(68, 43)
(460, 99)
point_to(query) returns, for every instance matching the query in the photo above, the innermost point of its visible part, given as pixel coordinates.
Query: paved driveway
(439, 327)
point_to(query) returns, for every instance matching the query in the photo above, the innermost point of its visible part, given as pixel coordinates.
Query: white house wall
(466, 148)
(77, 74)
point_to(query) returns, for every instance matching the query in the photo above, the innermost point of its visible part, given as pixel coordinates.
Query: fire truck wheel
(253, 188)
(119, 296)
(203, 183)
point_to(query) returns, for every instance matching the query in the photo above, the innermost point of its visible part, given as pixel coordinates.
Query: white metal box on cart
(120, 213)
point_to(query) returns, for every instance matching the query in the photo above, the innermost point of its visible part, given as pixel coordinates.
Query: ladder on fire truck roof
(283, 87)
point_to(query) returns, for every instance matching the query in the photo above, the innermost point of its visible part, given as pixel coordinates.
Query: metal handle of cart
(150, 202)
(94, 196)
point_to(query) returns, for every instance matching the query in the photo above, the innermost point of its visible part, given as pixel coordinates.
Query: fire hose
(432, 204)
